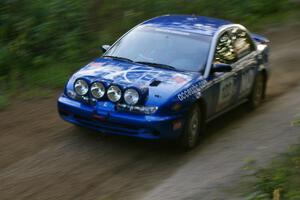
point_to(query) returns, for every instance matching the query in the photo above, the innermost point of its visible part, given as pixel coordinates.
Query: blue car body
(168, 94)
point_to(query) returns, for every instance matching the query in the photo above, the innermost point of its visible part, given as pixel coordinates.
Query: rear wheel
(258, 92)
(190, 136)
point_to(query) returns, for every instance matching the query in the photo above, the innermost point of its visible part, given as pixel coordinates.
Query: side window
(225, 50)
(242, 42)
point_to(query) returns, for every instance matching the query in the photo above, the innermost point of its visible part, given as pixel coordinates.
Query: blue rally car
(167, 77)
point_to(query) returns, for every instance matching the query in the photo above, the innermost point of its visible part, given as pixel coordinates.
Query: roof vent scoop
(155, 83)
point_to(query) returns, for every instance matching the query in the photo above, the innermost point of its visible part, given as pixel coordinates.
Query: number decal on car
(247, 81)
(226, 92)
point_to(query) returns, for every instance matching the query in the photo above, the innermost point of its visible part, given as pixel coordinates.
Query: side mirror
(105, 47)
(221, 67)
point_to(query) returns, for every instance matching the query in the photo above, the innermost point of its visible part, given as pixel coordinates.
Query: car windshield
(172, 49)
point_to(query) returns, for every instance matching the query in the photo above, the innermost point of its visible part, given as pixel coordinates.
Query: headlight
(71, 94)
(81, 87)
(114, 93)
(97, 90)
(131, 96)
(148, 110)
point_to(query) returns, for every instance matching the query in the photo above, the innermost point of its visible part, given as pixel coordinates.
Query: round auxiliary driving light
(97, 90)
(81, 87)
(114, 93)
(131, 96)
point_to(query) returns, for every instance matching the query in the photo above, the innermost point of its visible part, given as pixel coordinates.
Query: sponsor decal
(194, 90)
(171, 31)
(94, 64)
(180, 79)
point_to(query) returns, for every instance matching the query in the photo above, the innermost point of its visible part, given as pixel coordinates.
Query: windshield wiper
(164, 66)
(118, 58)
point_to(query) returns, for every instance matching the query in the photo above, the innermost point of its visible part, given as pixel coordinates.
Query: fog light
(177, 125)
(176, 107)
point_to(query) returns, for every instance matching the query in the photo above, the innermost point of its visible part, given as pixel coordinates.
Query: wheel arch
(203, 110)
(265, 75)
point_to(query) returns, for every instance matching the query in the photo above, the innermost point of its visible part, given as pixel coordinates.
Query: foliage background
(43, 42)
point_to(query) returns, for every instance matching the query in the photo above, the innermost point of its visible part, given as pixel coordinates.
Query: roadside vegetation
(43, 42)
(280, 180)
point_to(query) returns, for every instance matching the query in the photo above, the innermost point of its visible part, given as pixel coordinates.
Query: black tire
(192, 129)
(258, 92)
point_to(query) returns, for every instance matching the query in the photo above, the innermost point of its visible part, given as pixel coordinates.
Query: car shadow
(214, 129)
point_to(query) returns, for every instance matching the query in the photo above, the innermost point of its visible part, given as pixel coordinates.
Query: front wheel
(190, 136)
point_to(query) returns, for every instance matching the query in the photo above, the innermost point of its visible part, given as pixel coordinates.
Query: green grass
(36, 84)
(4, 102)
(278, 19)
(52, 77)
(283, 175)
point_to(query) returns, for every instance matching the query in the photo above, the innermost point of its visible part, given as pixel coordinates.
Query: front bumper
(104, 118)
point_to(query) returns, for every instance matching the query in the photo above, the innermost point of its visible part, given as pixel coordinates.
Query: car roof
(187, 23)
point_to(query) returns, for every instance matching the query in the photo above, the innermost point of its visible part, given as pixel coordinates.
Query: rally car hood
(161, 84)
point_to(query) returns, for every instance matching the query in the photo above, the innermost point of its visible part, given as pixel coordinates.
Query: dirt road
(42, 157)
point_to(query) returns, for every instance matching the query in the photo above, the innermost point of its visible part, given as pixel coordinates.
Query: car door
(225, 84)
(246, 64)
